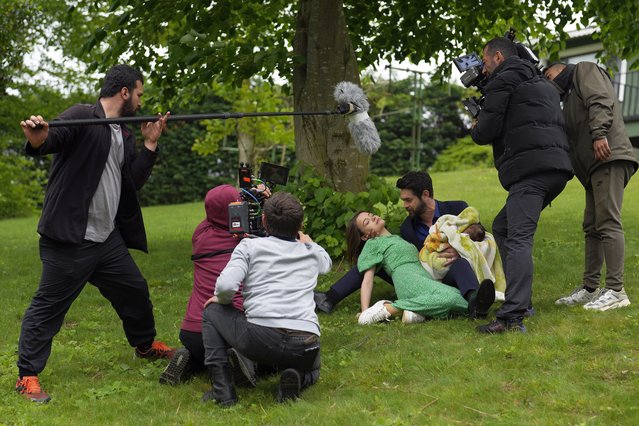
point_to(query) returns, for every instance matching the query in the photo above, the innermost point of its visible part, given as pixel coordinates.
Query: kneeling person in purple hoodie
(279, 326)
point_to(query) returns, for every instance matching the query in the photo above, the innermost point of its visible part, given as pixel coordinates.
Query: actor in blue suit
(416, 192)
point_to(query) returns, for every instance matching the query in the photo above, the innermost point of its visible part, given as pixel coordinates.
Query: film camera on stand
(245, 216)
(471, 67)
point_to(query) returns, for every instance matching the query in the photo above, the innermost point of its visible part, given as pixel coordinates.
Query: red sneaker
(156, 351)
(29, 386)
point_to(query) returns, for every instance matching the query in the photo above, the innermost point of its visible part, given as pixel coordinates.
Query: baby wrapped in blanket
(466, 235)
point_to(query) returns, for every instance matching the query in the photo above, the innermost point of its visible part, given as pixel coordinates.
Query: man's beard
(127, 109)
(421, 208)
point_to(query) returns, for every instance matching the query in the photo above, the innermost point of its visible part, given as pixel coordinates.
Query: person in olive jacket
(521, 118)
(90, 217)
(604, 161)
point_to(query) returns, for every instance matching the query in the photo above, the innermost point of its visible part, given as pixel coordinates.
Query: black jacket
(522, 119)
(407, 229)
(79, 156)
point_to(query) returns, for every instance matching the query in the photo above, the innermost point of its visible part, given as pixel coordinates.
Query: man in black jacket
(522, 119)
(416, 191)
(90, 216)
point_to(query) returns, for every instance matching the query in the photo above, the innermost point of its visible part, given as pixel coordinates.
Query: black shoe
(501, 325)
(290, 385)
(322, 303)
(222, 391)
(530, 312)
(481, 300)
(242, 369)
(179, 370)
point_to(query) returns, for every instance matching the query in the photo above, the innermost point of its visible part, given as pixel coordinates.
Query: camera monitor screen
(273, 173)
(468, 61)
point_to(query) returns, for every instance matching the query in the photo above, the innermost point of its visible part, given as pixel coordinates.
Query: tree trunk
(324, 57)
(245, 145)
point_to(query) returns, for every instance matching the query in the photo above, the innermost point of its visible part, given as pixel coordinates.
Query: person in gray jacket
(603, 160)
(279, 326)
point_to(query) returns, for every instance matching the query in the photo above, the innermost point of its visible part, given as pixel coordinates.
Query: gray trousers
(514, 230)
(224, 326)
(602, 224)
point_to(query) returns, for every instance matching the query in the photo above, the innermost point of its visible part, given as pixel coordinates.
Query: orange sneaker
(156, 351)
(29, 386)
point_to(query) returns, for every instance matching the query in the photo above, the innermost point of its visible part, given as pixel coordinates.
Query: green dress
(416, 290)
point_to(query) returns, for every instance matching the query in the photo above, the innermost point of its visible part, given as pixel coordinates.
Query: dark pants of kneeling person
(514, 230)
(66, 268)
(460, 275)
(224, 326)
(192, 341)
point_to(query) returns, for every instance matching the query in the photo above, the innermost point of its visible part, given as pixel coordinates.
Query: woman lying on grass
(371, 245)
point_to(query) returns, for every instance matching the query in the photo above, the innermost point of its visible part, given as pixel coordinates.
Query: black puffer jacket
(522, 119)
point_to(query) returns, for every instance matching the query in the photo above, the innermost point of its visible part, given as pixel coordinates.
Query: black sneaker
(242, 369)
(502, 325)
(322, 303)
(179, 370)
(290, 385)
(481, 300)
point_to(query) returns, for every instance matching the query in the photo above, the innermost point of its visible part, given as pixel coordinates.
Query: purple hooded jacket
(211, 235)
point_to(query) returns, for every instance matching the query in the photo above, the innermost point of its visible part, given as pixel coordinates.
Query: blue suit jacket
(407, 230)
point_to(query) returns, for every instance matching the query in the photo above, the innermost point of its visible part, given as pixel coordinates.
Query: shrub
(326, 211)
(21, 184)
(464, 155)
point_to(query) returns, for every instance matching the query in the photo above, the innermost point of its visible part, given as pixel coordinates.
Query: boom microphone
(352, 100)
(190, 117)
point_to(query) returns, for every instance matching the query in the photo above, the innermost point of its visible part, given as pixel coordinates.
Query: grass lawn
(573, 366)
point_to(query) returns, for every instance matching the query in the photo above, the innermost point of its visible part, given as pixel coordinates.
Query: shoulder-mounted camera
(471, 67)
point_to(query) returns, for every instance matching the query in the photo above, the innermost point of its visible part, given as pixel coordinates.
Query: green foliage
(22, 179)
(234, 40)
(20, 184)
(182, 175)
(399, 108)
(254, 137)
(327, 212)
(464, 155)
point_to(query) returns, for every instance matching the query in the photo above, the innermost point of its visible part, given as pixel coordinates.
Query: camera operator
(212, 244)
(522, 119)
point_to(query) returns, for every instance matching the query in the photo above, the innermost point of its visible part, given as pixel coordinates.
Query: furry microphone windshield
(351, 96)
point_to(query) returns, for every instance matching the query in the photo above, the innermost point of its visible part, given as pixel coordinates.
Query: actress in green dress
(418, 294)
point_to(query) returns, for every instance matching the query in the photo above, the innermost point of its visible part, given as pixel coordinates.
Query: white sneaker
(374, 314)
(579, 296)
(609, 299)
(410, 317)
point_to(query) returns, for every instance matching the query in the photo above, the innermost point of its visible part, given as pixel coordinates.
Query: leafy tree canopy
(182, 43)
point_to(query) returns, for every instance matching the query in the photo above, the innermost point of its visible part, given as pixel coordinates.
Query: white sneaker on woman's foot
(410, 317)
(374, 314)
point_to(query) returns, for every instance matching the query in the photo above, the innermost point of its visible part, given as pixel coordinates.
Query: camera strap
(199, 256)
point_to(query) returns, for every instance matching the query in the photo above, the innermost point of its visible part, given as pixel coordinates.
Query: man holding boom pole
(90, 217)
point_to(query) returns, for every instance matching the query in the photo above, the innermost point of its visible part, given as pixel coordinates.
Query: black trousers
(224, 326)
(460, 275)
(514, 229)
(192, 341)
(66, 268)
